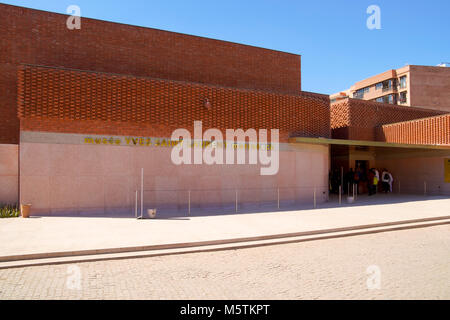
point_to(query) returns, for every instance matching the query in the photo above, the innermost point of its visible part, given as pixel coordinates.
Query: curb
(210, 246)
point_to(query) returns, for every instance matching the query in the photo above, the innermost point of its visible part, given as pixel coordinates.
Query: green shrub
(9, 211)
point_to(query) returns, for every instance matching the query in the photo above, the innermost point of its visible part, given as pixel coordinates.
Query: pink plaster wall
(63, 178)
(414, 171)
(9, 173)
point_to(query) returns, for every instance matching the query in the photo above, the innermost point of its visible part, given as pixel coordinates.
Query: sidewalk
(41, 237)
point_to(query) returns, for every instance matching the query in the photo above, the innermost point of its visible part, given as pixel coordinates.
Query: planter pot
(25, 210)
(151, 213)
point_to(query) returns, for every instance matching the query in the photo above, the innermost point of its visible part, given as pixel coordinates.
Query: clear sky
(336, 46)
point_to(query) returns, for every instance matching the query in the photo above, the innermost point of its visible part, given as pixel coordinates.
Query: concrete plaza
(412, 264)
(40, 236)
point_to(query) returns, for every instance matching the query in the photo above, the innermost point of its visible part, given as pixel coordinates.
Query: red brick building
(83, 111)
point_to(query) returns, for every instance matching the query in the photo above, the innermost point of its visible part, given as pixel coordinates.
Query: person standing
(388, 180)
(376, 180)
(370, 181)
(349, 180)
(385, 181)
(391, 181)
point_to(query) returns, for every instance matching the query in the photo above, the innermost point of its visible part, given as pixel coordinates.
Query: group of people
(374, 180)
(368, 181)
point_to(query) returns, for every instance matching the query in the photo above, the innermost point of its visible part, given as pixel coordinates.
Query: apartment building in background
(411, 85)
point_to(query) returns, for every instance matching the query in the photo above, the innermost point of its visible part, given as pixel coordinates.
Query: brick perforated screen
(355, 119)
(62, 100)
(434, 130)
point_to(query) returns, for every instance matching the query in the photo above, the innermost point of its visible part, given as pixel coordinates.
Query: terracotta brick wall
(62, 100)
(359, 119)
(434, 130)
(41, 38)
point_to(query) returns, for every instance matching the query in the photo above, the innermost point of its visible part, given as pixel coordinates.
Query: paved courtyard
(412, 264)
(66, 234)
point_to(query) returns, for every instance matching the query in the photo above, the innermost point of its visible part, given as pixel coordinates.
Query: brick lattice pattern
(434, 130)
(61, 100)
(355, 119)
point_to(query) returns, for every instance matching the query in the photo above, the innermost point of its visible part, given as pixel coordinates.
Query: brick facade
(62, 100)
(433, 130)
(356, 119)
(42, 38)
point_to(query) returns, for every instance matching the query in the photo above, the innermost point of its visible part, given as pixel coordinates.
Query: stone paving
(412, 264)
(40, 235)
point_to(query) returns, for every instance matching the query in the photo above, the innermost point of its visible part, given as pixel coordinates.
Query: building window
(359, 94)
(388, 85)
(391, 99)
(379, 86)
(403, 97)
(403, 82)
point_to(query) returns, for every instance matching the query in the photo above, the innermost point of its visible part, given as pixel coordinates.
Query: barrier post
(424, 188)
(136, 205)
(142, 192)
(278, 198)
(189, 202)
(236, 200)
(340, 194)
(315, 200)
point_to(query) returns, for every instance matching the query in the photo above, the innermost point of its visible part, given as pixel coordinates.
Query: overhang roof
(366, 143)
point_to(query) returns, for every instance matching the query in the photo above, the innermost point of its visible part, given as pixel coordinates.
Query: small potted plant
(25, 210)
(151, 213)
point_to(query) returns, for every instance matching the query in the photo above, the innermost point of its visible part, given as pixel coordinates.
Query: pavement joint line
(220, 247)
(46, 255)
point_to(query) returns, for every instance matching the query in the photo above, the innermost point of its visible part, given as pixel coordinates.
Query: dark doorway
(361, 170)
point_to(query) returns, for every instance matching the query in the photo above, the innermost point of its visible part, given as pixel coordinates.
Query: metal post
(236, 200)
(142, 192)
(424, 188)
(340, 194)
(399, 187)
(189, 202)
(278, 198)
(348, 188)
(315, 200)
(136, 205)
(356, 191)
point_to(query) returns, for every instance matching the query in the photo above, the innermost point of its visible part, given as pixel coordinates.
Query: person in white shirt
(387, 179)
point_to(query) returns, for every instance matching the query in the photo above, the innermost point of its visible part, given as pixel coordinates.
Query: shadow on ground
(181, 213)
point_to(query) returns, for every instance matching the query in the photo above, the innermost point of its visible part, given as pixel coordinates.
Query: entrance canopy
(416, 168)
(367, 143)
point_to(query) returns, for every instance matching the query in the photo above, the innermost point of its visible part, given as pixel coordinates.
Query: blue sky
(336, 46)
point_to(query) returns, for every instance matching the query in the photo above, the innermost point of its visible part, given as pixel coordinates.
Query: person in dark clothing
(349, 180)
(386, 178)
(370, 182)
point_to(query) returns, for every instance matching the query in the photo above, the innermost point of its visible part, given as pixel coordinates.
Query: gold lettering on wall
(158, 142)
